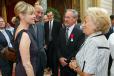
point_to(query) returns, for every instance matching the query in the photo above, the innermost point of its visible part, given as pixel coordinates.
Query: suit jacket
(38, 34)
(6, 66)
(55, 31)
(70, 49)
(3, 41)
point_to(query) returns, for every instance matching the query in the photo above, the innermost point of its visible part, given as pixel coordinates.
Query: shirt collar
(94, 34)
(71, 27)
(1, 30)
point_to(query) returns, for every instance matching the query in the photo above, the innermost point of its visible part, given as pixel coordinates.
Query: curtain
(4, 14)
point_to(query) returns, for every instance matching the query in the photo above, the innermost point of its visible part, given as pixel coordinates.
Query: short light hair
(100, 17)
(39, 7)
(75, 13)
(23, 7)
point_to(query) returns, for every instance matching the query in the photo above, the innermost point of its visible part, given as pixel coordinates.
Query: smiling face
(38, 12)
(2, 23)
(29, 18)
(88, 26)
(25, 12)
(69, 19)
(50, 16)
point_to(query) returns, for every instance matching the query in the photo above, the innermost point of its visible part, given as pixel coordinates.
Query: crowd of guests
(66, 48)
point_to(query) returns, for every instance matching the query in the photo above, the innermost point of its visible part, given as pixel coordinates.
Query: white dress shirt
(50, 24)
(70, 29)
(11, 29)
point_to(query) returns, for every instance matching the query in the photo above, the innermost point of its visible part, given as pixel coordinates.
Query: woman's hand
(73, 65)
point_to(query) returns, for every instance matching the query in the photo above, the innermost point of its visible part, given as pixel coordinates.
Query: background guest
(52, 28)
(5, 40)
(38, 29)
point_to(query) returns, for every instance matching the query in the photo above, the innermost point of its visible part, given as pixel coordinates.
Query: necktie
(66, 34)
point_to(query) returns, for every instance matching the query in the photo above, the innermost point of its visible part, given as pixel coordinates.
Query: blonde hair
(23, 7)
(100, 17)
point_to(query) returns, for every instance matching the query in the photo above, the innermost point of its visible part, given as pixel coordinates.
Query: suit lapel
(9, 34)
(32, 31)
(3, 37)
(63, 37)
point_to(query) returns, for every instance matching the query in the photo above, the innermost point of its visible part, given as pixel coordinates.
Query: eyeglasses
(40, 12)
(68, 17)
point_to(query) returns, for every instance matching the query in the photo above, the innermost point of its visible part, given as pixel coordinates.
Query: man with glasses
(69, 42)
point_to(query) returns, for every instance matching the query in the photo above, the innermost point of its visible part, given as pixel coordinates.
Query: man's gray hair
(75, 13)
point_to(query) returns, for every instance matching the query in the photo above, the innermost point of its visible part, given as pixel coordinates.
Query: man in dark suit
(52, 28)
(69, 42)
(37, 31)
(5, 40)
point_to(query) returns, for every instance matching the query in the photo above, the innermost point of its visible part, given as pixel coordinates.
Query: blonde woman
(93, 57)
(24, 43)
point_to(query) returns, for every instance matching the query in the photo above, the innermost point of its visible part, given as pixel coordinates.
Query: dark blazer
(40, 41)
(70, 49)
(37, 32)
(55, 31)
(3, 42)
(6, 66)
(38, 35)
(51, 45)
(109, 32)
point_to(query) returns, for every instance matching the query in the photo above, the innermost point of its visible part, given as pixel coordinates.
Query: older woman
(93, 57)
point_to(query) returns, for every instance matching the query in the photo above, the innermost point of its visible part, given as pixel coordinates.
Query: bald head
(38, 7)
(38, 12)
